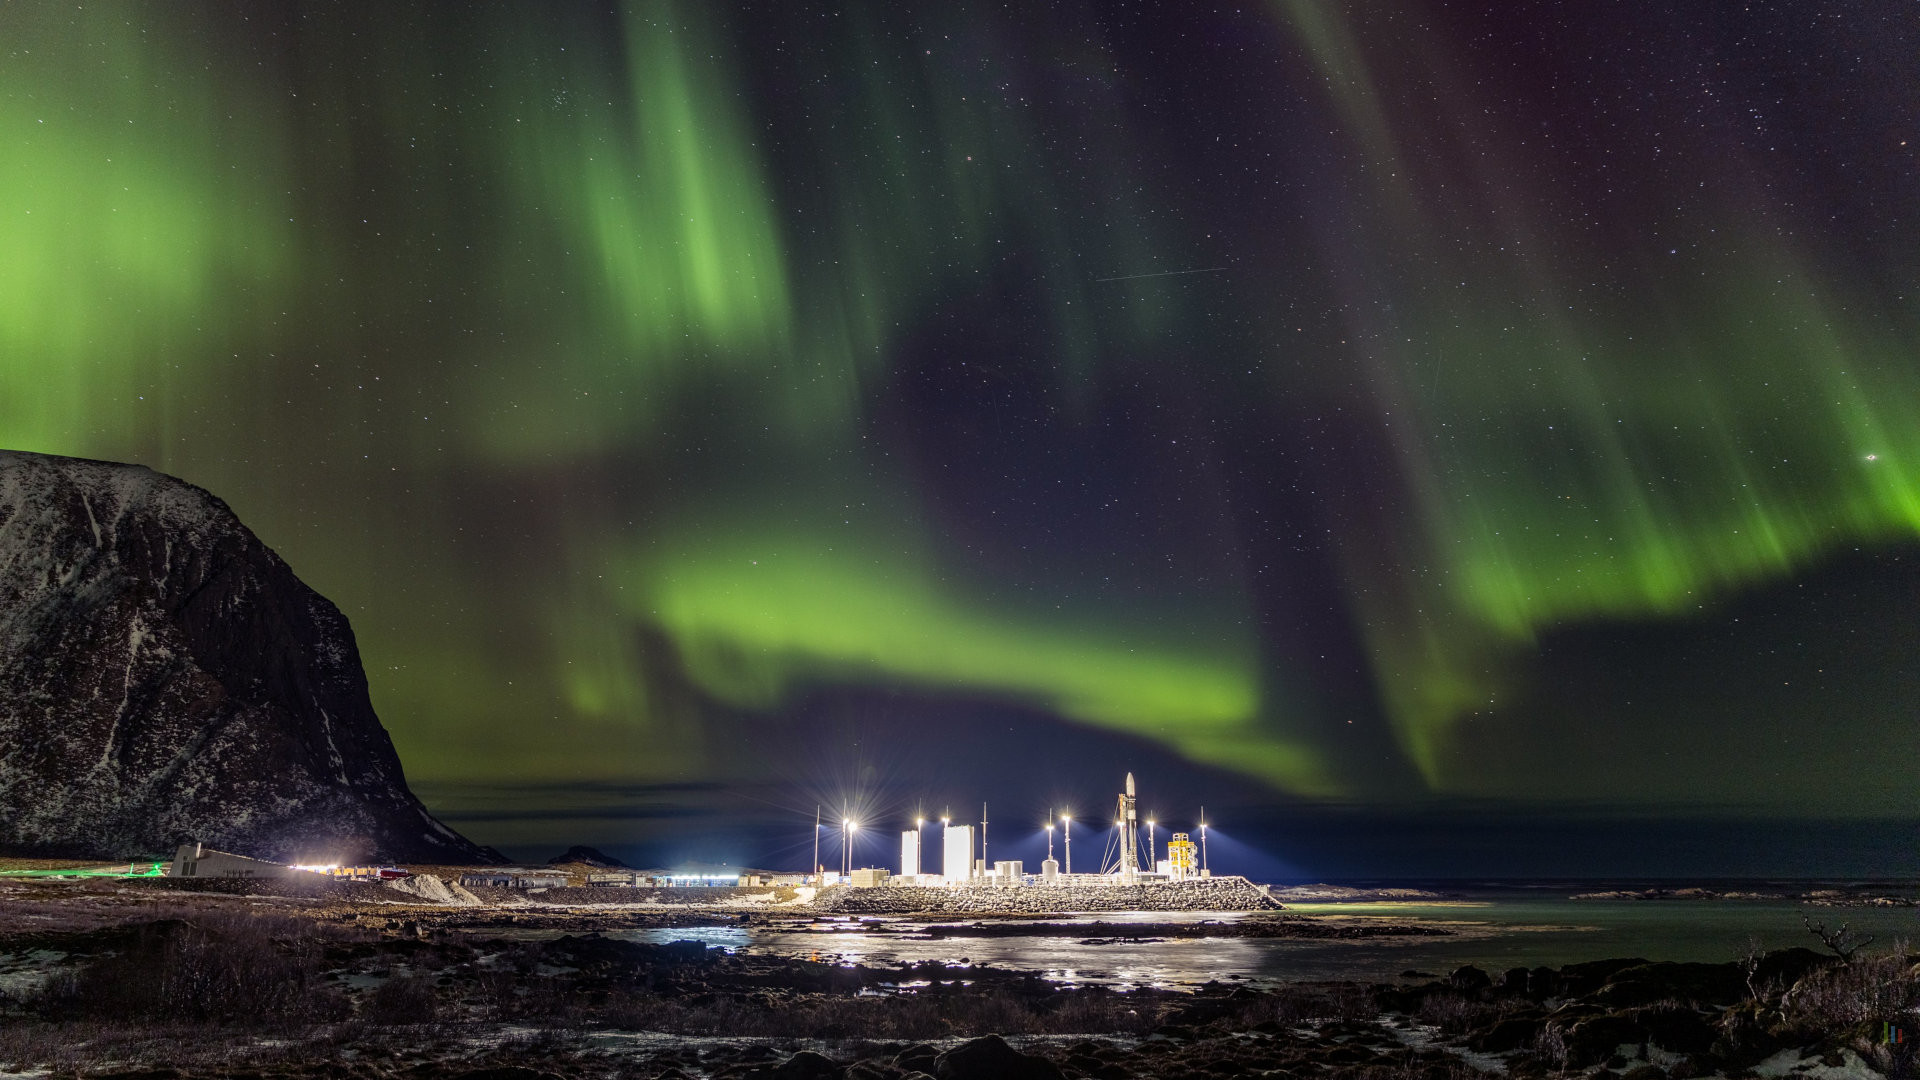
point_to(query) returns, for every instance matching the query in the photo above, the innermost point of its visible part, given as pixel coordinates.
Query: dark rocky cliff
(165, 677)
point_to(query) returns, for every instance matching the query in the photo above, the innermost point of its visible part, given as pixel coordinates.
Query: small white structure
(868, 878)
(957, 842)
(1049, 871)
(200, 861)
(1008, 872)
(910, 853)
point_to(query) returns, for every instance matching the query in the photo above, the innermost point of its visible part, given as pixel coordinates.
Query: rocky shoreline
(1812, 898)
(104, 978)
(1206, 894)
(1291, 927)
(271, 996)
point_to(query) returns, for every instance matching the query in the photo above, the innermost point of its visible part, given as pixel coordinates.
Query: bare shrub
(916, 1017)
(409, 1000)
(1843, 942)
(1084, 1013)
(1457, 1014)
(224, 968)
(1552, 1046)
(1870, 990)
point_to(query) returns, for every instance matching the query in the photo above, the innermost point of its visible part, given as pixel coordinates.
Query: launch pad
(964, 860)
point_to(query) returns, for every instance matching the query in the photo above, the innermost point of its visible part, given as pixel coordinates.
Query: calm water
(1493, 933)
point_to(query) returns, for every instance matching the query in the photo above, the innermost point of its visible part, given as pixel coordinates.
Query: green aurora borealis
(627, 370)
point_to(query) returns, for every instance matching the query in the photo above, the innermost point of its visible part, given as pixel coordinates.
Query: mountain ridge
(166, 678)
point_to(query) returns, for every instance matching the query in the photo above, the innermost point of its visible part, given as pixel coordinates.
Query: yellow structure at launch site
(1180, 856)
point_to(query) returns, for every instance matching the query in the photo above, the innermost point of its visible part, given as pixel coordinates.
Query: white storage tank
(910, 853)
(957, 842)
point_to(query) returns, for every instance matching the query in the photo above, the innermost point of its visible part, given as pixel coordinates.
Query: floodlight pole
(1203, 843)
(1066, 826)
(816, 845)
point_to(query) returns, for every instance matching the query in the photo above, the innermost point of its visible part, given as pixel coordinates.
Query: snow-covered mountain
(164, 677)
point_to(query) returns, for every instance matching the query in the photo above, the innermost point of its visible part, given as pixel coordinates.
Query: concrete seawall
(1207, 894)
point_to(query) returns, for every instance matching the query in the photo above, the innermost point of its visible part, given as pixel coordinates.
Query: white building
(200, 861)
(957, 842)
(910, 854)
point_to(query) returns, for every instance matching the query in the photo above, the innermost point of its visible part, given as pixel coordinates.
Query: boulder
(917, 1058)
(805, 1065)
(1595, 1039)
(1469, 979)
(1700, 984)
(1785, 967)
(1676, 1030)
(990, 1058)
(1512, 1033)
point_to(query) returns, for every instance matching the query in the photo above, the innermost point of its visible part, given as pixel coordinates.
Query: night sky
(1441, 438)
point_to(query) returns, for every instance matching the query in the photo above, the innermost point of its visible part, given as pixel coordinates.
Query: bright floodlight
(853, 826)
(1049, 826)
(919, 822)
(1066, 817)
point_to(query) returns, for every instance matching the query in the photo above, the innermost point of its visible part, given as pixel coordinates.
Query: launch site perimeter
(568, 893)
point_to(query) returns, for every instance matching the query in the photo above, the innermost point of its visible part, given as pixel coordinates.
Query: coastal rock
(1469, 979)
(165, 678)
(917, 1058)
(1644, 984)
(1511, 1033)
(805, 1065)
(990, 1058)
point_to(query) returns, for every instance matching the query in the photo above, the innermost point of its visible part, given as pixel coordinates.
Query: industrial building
(515, 879)
(200, 861)
(358, 873)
